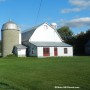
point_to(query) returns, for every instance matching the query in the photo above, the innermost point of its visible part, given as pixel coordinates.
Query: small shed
(87, 48)
(20, 50)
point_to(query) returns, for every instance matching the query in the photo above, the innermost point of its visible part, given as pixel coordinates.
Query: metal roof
(19, 46)
(28, 33)
(10, 26)
(46, 44)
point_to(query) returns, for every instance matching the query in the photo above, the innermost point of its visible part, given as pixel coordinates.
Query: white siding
(51, 51)
(40, 51)
(21, 52)
(19, 37)
(45, 34)
(61, 51)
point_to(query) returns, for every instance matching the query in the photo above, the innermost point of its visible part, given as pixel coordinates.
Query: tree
(65, 33)
(0, 46)
(87, 35)
(80, 42)
(77, 41)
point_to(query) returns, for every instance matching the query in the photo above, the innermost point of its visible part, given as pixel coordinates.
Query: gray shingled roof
(46, 44)
(28, 33)
(19, 46)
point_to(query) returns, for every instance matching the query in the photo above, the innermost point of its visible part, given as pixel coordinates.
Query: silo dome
(10, 26)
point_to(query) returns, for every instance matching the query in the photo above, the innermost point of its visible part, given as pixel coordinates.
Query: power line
(38, 11)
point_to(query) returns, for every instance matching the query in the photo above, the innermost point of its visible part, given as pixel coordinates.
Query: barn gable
(41, 33)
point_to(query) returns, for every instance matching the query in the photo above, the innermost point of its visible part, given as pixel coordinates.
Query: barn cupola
(54, 25)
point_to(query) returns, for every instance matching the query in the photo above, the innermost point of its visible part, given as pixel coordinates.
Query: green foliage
(0, 45)
(11, 55)
(65, 33)
(77, 41)
(44, 73)
(80, 42)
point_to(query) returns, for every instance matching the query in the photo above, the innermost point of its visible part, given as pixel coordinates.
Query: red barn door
(55, 52)
(46, 52)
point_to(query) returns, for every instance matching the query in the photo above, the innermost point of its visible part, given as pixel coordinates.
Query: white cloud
(71, 10)
(79, 5)
(79, 22)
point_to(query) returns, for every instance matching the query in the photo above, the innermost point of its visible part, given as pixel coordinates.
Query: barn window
(46, 51)
(65, 51)
(32, 50)
(45, 26)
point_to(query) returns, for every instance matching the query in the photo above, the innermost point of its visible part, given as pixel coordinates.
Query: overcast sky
(72, 13)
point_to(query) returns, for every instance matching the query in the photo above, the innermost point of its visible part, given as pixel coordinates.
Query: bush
(11, 55)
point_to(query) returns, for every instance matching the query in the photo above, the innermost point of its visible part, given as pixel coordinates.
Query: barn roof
(19, 46)
(28, 33)
(46, 44)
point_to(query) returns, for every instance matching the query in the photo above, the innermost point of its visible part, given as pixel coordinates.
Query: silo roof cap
(10, 26)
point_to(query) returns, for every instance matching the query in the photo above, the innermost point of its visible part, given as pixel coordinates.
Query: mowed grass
(33, 73)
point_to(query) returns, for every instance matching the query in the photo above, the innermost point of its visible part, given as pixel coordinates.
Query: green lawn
(44, 73)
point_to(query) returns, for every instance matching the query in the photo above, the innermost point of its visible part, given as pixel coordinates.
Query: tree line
(0, 46)
(78, 41)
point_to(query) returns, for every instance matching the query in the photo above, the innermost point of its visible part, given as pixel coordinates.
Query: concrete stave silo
(10, 37)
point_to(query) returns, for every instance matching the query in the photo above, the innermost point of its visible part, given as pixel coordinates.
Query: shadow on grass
(6, 86)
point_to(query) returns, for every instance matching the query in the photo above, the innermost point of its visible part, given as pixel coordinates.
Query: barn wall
(19, 37)
(40, 51)
(32, 50)
(45, 33)
(21, 52)
(61, 51)
(51, 51)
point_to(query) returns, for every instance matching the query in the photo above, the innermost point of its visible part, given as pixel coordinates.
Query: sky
(72, 13)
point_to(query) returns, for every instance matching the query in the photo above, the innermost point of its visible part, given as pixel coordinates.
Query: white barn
(44, 41)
